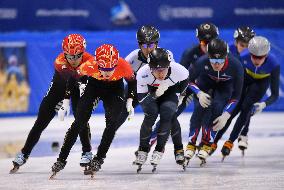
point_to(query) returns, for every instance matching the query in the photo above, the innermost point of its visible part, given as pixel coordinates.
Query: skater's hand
(204, 99)
(129, 108)
(258, 107)
(96, 103)
(221, 121)
(161, 89)
(82, 88)
(65, 109)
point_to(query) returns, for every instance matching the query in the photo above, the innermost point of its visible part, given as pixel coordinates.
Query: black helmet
(207, 32)
(147, 34)
(159, 58)
(244, 34)
(217, 49)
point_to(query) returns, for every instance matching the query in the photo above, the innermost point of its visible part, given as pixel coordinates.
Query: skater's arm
(238, 80)
(274, 86)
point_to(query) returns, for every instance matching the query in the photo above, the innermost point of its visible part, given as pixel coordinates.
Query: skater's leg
(151, 111)
(82, 116)
(85, 133)
(48, 107)
(113, 106)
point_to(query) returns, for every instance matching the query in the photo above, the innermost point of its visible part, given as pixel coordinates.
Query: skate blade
(186, 162)
(223, 158)
(203, 162)
(88, 172)
(52, 176)
(139, 169)
(14, 169)
(182, 164)
(243, 153)
(92, 175)
(184, 167)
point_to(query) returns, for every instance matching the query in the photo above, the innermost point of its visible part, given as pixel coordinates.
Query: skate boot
(189, 153)
(86, 159)
(20, 160)
(94, 166)
(243, 143)
(179, 157)
(57, 166)
(226, 149)
(140, 159)
(203, 153)
(213, 148)
(155, 160)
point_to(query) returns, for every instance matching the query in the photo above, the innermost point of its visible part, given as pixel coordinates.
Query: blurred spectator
(13, 68)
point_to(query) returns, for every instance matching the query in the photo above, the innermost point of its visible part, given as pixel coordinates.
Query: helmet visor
(146, 45)
(106, 69)
(217, 61)
(257, 57)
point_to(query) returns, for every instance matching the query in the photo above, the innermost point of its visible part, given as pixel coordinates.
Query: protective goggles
(257, 57)
(106, 69)
(217, 61)
(145, 45)
(73, 57)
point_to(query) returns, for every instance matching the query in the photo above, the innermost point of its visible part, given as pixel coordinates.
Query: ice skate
(213, 148)
(179, 157)
(203, 153)
(94, 166)
(155, 160)
(243, 143)
(19, 161)
(226, 149)
(189, 153)
(140, 160)
(86, 159)
(57, 166)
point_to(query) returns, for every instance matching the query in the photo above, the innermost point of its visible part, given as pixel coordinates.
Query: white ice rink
(262, 167)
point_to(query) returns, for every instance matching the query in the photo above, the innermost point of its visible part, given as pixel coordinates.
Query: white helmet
(259, 46)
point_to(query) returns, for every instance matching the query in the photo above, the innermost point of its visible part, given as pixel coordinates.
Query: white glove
(129, 108)
(65, 109)
(204, 99)
(180, 99)
(221, 121)
(82, 88)
(161, 89)
(258, 107)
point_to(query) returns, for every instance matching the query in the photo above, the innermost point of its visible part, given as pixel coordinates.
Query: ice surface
(262, 167)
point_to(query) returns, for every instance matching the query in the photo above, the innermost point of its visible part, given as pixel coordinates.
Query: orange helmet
(74, 44)
(106, 57)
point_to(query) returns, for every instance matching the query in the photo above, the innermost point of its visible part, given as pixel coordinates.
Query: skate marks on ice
(260, 172)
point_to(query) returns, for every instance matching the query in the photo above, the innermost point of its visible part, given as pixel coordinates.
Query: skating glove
(82, 88)
(221, 121)
(258, 107)
(65, 109)
(129, 108)
(96, 103)
(204, 99)
(161, 89)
